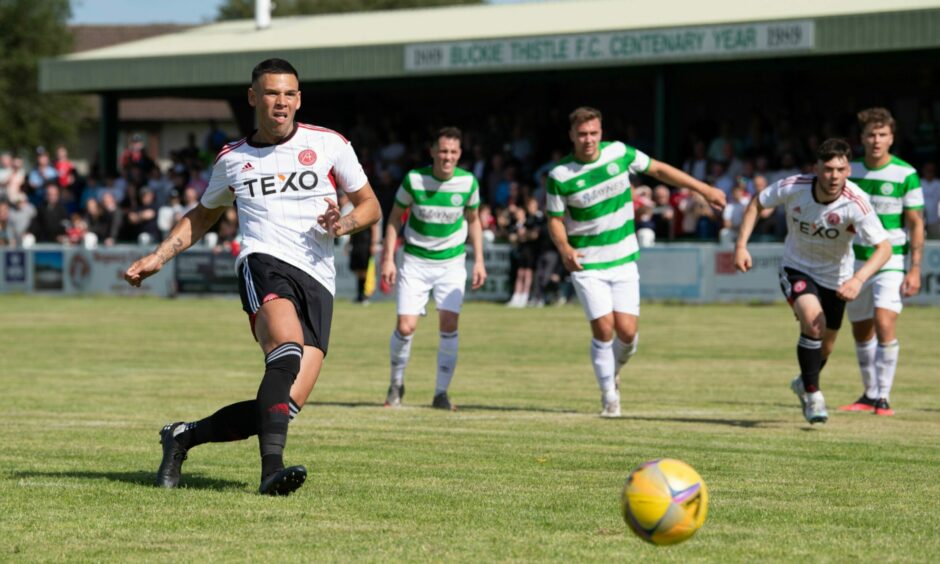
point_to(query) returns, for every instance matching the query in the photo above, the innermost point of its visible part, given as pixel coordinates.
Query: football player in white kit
(824, 213)
(284, 177)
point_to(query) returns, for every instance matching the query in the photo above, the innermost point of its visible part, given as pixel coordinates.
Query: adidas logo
(247, 167)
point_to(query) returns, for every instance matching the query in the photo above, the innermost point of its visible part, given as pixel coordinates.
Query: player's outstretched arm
(742, 258)
(570, 257)
(392, 227)
(850, 289)
(475, 234)
(190, 229)
(914, 220)
(673, 176)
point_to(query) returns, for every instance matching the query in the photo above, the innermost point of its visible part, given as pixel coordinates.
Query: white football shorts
(883, 290)
(612, 289)
(418, 277)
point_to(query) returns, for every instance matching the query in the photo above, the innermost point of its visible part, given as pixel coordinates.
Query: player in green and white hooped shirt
(896, 196)
(590, 211)
(442, 201)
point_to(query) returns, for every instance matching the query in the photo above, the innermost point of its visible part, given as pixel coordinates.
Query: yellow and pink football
(664, 501)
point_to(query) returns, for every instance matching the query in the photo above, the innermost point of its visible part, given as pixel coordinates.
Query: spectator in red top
(135, 154)
(64, 167)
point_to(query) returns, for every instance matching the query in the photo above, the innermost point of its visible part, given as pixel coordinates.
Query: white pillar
(262, 14)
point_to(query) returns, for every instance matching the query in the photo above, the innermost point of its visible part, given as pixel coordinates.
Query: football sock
(865, 353)
(446, 361)
(360, 289)
(602, 358)
(281, 368)
(886, 363)
(234, 422)
(400, 351)
(623, 351)
(809, 354)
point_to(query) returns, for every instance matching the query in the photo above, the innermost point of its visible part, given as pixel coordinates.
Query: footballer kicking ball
(664, 501)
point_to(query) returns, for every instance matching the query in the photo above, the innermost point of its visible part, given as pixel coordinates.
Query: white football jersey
(280, 190)
(819, 236)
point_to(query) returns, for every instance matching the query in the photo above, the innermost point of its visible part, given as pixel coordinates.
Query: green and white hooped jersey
(436, 229)
(893, 188)
(599, 204)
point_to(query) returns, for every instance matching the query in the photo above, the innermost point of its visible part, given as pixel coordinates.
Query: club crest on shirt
(613, 169)
(456, 200)
(307, 157)
(833, 219)
(886, 189)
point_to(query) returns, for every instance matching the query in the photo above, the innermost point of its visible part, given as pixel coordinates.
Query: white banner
(672, 272)
(930, 276)
(761, 283)
(75, 270)
(101, 271)
(641, 45)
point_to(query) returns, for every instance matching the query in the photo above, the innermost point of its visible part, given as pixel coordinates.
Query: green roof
(488, 37)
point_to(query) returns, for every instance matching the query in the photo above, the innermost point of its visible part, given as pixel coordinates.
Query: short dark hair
(832, 148)
(583, 114)
(449, 132)
(877, 117)
(273, 66)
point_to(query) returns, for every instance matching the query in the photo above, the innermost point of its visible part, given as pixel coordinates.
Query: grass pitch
(525, 470)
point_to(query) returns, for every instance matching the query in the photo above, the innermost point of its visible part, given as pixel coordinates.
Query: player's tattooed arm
(169, 249)
(189, 230)
(366, 211)
(347, 224)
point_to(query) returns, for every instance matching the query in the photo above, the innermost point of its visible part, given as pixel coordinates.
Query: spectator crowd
(43, 199)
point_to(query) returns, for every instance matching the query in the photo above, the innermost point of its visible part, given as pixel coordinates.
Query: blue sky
(150, 11)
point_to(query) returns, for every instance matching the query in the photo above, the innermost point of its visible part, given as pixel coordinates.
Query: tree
(245, 9)
(33, 29)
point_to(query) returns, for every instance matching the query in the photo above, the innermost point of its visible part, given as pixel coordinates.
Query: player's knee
(884, 329)
(448, 323)
(602, 332)
(406, 328)
(815, 329)
(626, 333)
(285, 358)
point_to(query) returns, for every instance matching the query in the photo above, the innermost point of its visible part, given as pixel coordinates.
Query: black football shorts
(794, 284)
(262, 278)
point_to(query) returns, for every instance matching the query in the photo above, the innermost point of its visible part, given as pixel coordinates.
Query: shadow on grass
(351, 404)
(473, 407)
(742, 423)
(460, 407)
(140, 478)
